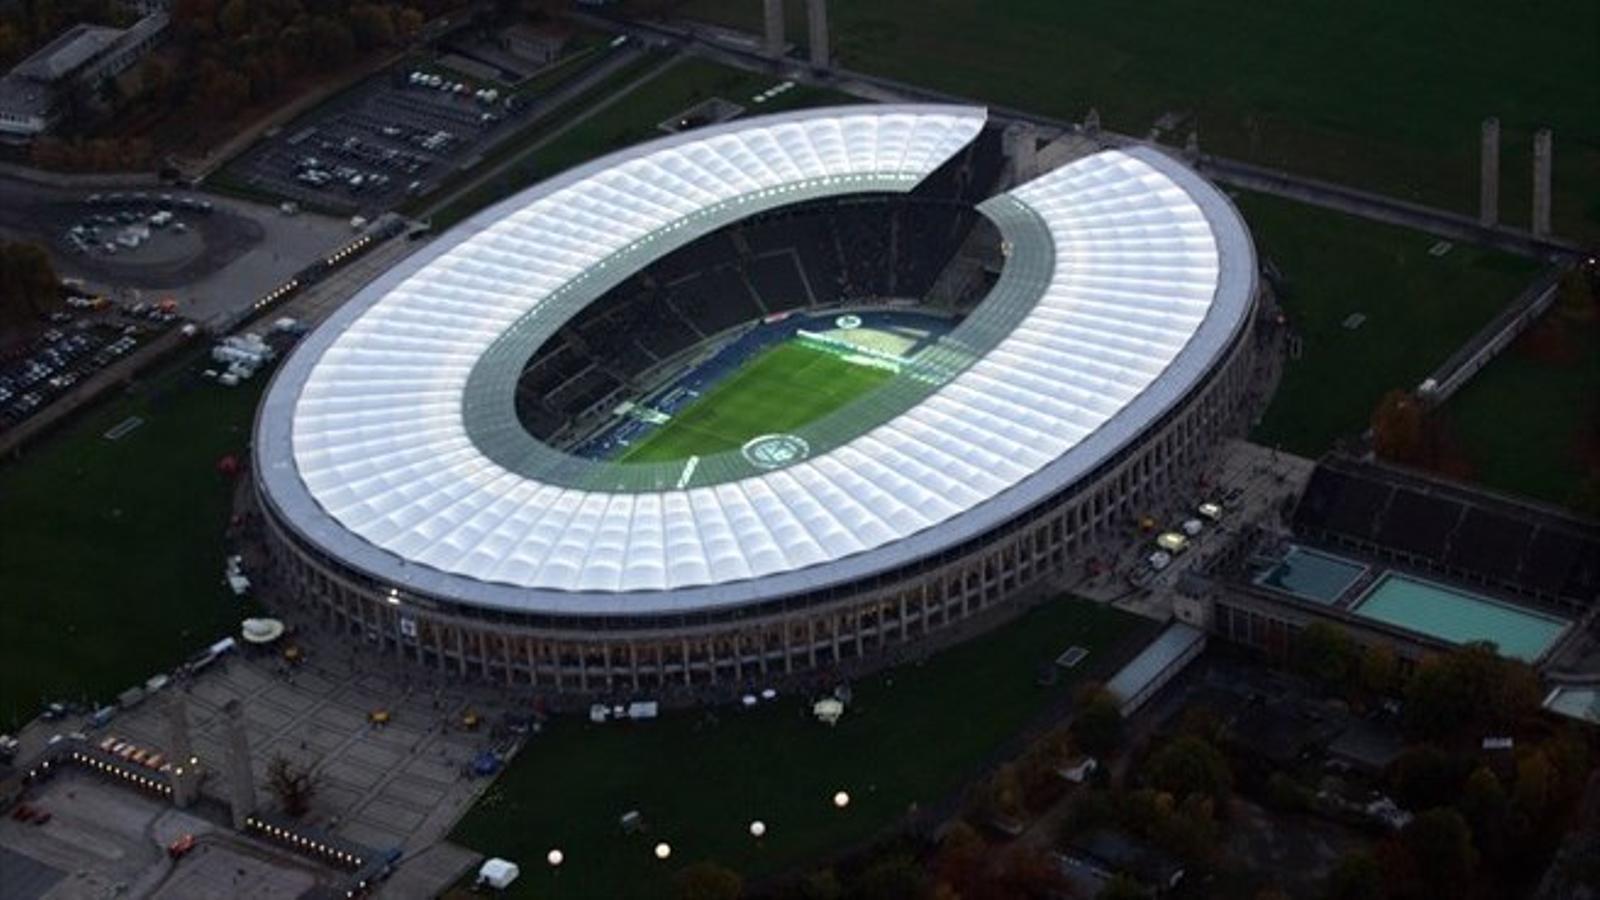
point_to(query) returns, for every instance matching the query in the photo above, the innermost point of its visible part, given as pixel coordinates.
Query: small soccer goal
(1070, 657)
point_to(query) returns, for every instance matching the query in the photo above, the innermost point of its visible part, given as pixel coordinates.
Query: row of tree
(29, 286)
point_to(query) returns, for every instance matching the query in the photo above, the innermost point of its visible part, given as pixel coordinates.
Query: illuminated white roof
(366, 419)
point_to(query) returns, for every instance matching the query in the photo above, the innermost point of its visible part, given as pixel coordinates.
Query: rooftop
(389, 437)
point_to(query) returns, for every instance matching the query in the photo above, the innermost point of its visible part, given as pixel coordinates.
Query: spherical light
(841, 799)
(663, 850)
(555, 857)
(758, 828)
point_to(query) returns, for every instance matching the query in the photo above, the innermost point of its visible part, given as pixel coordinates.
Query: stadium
(785, 394)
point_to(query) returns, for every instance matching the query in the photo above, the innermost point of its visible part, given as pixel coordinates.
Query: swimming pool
(1312, 575)
(1460, 617)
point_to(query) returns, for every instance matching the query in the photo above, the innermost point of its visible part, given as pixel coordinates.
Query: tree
(1424, 776)
(29, 286)
(1327, 655)
(1441, 843)
(1098, 723)
(1483, 802)
(1531, 794)
(1355, 877)
(371, 26)
(1191, 765)
(896, 877)
(1470, 691)
(1399, 432)
(707, 881)
(1380, 670)
(1121, 887)
(293, 785)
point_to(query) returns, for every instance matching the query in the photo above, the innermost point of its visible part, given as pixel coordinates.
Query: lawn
(1529, 423)
(629, 120)
(1419, 309)
(112, 550)
(911, 736)
(782, 389)
(1377, 94)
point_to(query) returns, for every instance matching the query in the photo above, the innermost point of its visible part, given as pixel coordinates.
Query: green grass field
(1529, 423)
(1381, 95)
(1419, 309)
(912, 735)
(783, 388)
(112, 551)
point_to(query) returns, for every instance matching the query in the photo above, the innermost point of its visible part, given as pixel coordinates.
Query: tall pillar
(241, 778)
(1489, 176)
(774, 20)
(185, 776)
(1541, 182)
(1021, 147)
(817, 11)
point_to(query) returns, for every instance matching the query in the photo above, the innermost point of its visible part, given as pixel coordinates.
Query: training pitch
(783, 388)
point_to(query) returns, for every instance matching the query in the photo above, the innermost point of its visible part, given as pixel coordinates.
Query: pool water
(1460, 617)
(1312, 575)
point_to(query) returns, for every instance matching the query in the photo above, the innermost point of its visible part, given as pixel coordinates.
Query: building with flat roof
(37, 92)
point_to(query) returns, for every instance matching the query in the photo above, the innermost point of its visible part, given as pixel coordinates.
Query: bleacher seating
(1452, 529)
(853, 250)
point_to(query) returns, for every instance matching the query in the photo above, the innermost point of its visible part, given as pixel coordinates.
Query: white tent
(498, 873)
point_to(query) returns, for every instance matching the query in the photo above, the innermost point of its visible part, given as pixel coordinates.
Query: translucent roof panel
(375, 422)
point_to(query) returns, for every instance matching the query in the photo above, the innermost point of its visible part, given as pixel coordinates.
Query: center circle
(774, 451)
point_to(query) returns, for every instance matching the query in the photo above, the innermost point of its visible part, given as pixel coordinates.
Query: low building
(1116, 852)
(1156, 665)
(36, 94)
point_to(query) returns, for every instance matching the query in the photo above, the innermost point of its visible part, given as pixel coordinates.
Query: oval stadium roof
(1133, 274)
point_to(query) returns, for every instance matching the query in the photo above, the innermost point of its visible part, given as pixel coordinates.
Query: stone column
(1489, 176)
(180, 750)
(1541, 182)
(773, 10)
(241, 778)
(817, 11)
(1021, 145)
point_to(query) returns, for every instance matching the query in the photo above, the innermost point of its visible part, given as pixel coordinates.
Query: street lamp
(663, 850)
(758, 828)
(841, 799)
(555, 857)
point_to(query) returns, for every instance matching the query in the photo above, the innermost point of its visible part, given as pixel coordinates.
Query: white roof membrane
(365, 421)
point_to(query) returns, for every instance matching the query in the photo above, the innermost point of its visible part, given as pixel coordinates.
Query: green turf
(112, 551)
(1419, 309)
(780, 390)
(1529, 422)
(913, 735)
(1379, 94)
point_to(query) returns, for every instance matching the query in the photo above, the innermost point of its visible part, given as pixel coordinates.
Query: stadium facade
(406, 502)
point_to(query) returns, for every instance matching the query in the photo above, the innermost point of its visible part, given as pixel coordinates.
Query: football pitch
(783, 388)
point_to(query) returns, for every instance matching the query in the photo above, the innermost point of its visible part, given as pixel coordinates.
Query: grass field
(1419, 309)
(913, 735)
(1529, 423)
(111, 552)
(1382, 95)
(783, 388)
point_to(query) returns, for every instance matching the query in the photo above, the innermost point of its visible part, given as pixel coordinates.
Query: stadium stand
(1454, 530)
(857, 250)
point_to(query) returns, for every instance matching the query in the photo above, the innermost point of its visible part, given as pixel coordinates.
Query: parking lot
(89, 335)
(386, 139)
